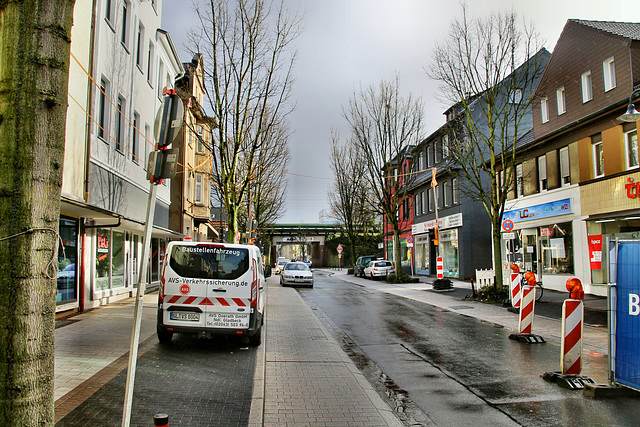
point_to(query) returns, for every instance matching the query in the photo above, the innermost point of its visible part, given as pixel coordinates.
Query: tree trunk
(34, 40)
(497, 254)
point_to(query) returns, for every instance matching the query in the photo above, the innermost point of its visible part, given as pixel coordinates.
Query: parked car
(280, 264)
(361, 263)
(378, 268)
(296, 273)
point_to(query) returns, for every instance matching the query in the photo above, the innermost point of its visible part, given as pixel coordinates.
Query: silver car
(378, 268)
(296, 273)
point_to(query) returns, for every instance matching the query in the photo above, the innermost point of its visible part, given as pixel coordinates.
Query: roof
(630, 30)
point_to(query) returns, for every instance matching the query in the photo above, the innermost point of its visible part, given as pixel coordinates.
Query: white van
(211, 288)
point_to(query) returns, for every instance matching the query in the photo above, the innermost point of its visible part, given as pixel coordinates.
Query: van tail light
(161, 287)
(254, 286)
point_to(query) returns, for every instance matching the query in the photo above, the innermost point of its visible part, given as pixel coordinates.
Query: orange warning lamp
(575, 287)
(515, 268)
(530, 278)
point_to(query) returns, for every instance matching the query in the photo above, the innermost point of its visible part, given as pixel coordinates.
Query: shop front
(609, 219)
(426, 251)
(545, 238)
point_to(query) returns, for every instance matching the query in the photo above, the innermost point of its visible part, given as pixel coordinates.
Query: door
(530, 250)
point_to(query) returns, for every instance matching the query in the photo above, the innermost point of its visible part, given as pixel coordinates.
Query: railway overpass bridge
(300, 241)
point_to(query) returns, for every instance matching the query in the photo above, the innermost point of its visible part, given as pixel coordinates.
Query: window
(562, 107)
(405, 209)
(609, 70)
(454, 191)
(198, 188)
(120, 124)
(416, 205)
(631, 142)
(437, 148)
(124, 34)
(147, 136)
(160, 74)
(556, 245)
(189, 175)
(544, 110)
(430, 195)
(446, 192)
(139, 39)
(429, 156)
(150, 64)
(519, 181)
(109, 13)
(565, 168)
(103, 109)
(587, 88)
(134, 137)
(598, 160)
(445, 146)
(542, 173)
(516, 96)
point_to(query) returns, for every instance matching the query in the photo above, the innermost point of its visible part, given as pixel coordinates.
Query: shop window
(67, 264)
(631, 143)
(117, 260)
(556, 245)
(103, 259)
(449, 252)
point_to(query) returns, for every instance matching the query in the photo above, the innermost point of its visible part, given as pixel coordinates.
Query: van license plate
(228, 320)
(192, 317)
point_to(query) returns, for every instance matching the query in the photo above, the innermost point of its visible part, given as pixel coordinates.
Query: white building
(118, 69)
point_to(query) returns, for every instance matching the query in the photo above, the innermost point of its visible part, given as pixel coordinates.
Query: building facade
(190, 210)
(575, 188)
(120, 62)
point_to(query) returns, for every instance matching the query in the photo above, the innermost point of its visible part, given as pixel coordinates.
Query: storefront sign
(451, 221)
(595, 251)
(546, 210)
(633, 188)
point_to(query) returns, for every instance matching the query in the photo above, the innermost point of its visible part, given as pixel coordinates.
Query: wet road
(460, 371)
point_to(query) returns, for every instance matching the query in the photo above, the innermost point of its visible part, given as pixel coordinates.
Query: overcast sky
(352, 43)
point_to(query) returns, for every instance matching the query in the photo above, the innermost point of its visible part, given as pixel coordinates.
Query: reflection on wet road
(458, 370)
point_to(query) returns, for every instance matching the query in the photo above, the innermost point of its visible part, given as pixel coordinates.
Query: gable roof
(629, 30)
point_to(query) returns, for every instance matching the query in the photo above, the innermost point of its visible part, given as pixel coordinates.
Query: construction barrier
(515, 293)
(527, 304)
(484, 278)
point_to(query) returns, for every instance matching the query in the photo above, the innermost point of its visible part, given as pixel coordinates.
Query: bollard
(515, 285)
(571, 345)
(161, 420)
(527, 305)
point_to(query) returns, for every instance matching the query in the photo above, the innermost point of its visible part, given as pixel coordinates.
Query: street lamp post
(632, 114)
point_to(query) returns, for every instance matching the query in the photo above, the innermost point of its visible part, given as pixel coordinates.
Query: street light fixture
(632, 114)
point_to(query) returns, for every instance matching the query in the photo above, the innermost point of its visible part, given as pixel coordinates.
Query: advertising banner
(595, 251)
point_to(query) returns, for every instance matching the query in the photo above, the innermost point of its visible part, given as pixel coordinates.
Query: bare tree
(247, 46)
(384, 126)
(349, 193)
(488, 68)
(35, 39)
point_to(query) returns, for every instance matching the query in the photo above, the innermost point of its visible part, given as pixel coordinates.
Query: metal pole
(137, 314)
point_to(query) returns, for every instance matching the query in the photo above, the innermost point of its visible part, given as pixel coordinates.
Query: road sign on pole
(339, 248)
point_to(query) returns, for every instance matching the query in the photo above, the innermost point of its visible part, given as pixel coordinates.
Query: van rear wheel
(164, 336)
(256, 339)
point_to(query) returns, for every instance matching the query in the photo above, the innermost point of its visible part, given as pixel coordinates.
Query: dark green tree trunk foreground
(34, 60)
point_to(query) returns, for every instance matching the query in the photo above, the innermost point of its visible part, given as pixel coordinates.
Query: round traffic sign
(507, 225)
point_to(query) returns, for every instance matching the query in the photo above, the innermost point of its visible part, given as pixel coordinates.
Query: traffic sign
(409, 239)
(168, 119)
(339, 248)
(507, 225)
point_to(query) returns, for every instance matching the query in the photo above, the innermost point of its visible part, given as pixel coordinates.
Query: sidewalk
(305, 378)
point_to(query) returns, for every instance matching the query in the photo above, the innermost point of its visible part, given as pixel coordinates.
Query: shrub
(493, 294)
(401, 278)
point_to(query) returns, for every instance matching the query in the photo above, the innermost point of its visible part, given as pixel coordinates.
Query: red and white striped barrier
(516, 278)
(527, 305)
(439, 267)
(571, 347)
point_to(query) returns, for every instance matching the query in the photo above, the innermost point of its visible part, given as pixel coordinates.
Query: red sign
(185, 289)
(595, 251)
(339, 249)
(507, 225)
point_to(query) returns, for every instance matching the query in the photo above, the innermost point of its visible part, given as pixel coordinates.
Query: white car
(280, 264)
(378, 268)
(296, 273)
